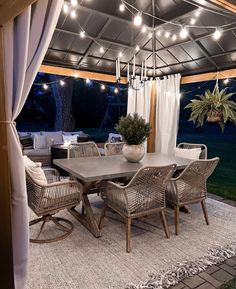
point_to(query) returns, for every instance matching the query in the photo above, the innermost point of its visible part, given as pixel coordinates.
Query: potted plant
(134, 131)
(214, 106)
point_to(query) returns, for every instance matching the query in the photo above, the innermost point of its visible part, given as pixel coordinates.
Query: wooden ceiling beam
(225, 4)
(11, 8)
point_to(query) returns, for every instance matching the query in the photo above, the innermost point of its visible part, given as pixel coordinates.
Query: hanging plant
(214, 106)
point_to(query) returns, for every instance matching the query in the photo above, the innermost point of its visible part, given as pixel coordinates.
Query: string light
(174, 37)
(217, 34)
(62, 82)
(198, 12)
(116, 90)
(138, 19)
(45, 86)
(103, 87)
(65, 8)
(73, 14)
(120, 54)
(144, 28)
(137, 48)
(122, 7)
(167, 34)
(192, 21)
(87, 80)
(82, 34)
(183, 33)
(75, 75)
(101, 49)
(73, 3)
(159, 33)
(226, 81)
(150, 34)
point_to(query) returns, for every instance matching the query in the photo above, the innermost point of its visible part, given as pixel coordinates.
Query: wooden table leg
(88, 219)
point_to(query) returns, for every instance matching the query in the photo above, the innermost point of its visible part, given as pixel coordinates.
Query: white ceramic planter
(133, 153)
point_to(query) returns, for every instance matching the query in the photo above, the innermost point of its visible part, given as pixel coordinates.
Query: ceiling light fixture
(138, 19)
(217, 34)
(183, 33)
(82, 34)
(122, 7)
(73, 3)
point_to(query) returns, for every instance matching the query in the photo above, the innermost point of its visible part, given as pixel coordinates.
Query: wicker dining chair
(190, 187)
(203, 147)
(113, 148)
(83, 149)
(144, 195)
(47, 200)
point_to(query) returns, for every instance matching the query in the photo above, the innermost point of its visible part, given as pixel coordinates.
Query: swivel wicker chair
(83, 149)
(113, 148)
(144, 195)
(190, 187)
(203, 154)
(47, 200)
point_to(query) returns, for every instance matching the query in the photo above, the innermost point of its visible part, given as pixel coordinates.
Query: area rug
(82, 261)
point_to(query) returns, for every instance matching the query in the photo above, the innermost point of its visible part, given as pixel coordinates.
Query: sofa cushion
(37, 152)
(40, 141)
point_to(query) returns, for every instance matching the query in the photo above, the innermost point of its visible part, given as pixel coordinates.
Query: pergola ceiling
(115, 31)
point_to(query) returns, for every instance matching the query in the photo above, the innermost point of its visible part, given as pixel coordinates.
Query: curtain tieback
(8, 122)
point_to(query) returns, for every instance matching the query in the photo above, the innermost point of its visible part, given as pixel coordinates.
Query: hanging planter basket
(214, 116)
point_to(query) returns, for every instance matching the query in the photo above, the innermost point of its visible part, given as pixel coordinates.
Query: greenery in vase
(214, 106)
(133, 129)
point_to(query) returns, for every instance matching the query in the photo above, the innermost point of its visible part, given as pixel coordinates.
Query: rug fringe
(187, 269)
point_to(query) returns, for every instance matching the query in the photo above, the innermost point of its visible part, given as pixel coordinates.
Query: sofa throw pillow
(54, 136)
(192, 154)
(70, 138)
(26, 142)
(40, 141)
(35, 171)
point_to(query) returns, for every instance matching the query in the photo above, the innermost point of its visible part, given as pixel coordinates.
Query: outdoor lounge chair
(114, 148)
(144, 195)
(203, 154)
(47, 200)
(190, 187)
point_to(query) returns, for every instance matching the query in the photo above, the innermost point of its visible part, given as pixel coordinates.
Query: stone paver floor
(215, 276)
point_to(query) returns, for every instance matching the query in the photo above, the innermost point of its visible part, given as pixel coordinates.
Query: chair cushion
(35, 171)
(192, 154)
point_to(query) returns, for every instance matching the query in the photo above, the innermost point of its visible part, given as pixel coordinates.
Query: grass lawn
(223, 180)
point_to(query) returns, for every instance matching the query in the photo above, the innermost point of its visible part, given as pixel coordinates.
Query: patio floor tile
(210, 279)
(194, 281)
(222, 276)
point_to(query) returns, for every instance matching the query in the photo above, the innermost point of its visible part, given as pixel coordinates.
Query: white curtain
(167, 113)
(26, 39)
(139, 100)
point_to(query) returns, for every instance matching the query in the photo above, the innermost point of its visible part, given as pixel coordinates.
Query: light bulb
(73, 14)
(103, 87)
(183, 33)
(217, 34)
(150, 34)
(101, 49)
(167, 34)
(62, 82)
(138, 19)
(75, 75)
(144, 28)
(159, 33)
(82, 34)
(137, 48)
(87, 80)
(65, 8)
(120, 54)
(122, 7)
(192, 21)
(45, 86)
(116, 90)
(73, 3)
(197, 13)
(174, 37)
(226, 81)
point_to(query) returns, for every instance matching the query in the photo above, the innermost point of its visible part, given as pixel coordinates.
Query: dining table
(90, 171)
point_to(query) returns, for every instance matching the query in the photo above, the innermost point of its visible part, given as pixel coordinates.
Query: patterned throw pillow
(26, 142)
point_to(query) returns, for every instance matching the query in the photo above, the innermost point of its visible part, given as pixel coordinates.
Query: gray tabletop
(104, 168)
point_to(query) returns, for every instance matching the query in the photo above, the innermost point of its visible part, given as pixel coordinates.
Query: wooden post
(6, 259)
(152, 137)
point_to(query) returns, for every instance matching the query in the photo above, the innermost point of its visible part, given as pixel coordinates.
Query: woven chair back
(112, 149)
(203, 154)
(83, 149)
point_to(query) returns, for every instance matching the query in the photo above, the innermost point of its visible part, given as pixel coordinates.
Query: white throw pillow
(35, 171)
(70, 138)
(40, 141)
(192, 154)
(55, 136)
